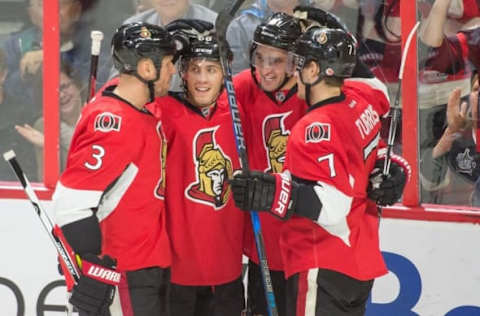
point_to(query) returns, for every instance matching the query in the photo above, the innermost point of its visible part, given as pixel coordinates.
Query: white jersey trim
(311, 297)
(71, 205)
(112, 198)
(335, 209)
(375, 84)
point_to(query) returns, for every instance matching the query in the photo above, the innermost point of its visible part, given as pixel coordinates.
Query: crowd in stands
(448, 58)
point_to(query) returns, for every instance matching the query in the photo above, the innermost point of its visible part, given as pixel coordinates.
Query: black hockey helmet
(134, 41)
(197, 39)
(279, 30)
(334, 50)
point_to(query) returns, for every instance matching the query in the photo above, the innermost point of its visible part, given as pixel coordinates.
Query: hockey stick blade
(221, 24)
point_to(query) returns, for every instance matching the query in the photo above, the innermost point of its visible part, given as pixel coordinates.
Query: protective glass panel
(447, 57)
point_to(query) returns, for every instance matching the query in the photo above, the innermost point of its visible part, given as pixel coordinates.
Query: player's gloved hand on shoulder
(259, 191)
(387, 190)
(323, 17)
(95, 290)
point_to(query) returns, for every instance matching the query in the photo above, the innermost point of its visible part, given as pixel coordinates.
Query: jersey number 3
(98, 153)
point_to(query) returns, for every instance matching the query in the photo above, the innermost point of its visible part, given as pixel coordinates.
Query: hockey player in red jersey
(271, 107)
(329, 243)
(106, 201)
(205, 227)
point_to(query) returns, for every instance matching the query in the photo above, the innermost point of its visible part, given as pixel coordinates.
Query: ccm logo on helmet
(107, 122)
(316, 132)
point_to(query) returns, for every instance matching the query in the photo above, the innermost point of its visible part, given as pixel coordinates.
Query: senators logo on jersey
(107, 122)
(317, 132)
(275, 137)
(160, 189)
(213, 168)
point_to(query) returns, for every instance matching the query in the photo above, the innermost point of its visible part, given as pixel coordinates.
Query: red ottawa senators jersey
(113, 165)
(335, 145)
(267, 124)
(205, 227)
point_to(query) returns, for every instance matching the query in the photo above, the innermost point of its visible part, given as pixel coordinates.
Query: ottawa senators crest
(213, 168)
(275, 137)
(160, 188)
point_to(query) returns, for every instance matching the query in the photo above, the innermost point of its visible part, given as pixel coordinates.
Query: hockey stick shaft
(221, 25)
(97, 37)
(67, 257)
(392, 131)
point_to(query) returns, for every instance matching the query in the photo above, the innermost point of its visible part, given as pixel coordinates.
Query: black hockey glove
(387, 190)
(96, 288)
(320, 16)
(182, 30)
(258, 191)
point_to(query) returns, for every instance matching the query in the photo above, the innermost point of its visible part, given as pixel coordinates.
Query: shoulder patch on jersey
(317, 132)
(107, 122)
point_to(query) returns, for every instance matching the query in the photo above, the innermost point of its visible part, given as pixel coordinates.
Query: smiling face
(70, 98)
(270, 63)
(204, 81)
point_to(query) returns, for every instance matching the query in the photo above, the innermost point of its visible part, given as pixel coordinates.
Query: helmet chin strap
(150, 83)
(308, 87)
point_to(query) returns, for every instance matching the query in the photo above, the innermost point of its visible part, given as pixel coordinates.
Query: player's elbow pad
(306, 204)
(84, 236)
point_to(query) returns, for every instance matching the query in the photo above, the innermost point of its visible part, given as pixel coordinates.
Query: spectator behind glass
(70, 104)
(449, 50)
(93, 17)
(25, 54)
(240, 32)
(346, 10)
(166, 11)
(450, 168)
(14, 113)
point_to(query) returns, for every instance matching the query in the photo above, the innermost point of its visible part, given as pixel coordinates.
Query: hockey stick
(97, 37)
(221, 24)
(65, 252)
(396, 105)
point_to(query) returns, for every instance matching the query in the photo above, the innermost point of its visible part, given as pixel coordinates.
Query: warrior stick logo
(213, 168)
(275, 137)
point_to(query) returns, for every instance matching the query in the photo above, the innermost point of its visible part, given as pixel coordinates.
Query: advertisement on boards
(434, 267)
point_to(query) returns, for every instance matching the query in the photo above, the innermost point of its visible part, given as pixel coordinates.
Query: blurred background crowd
(448, 53)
